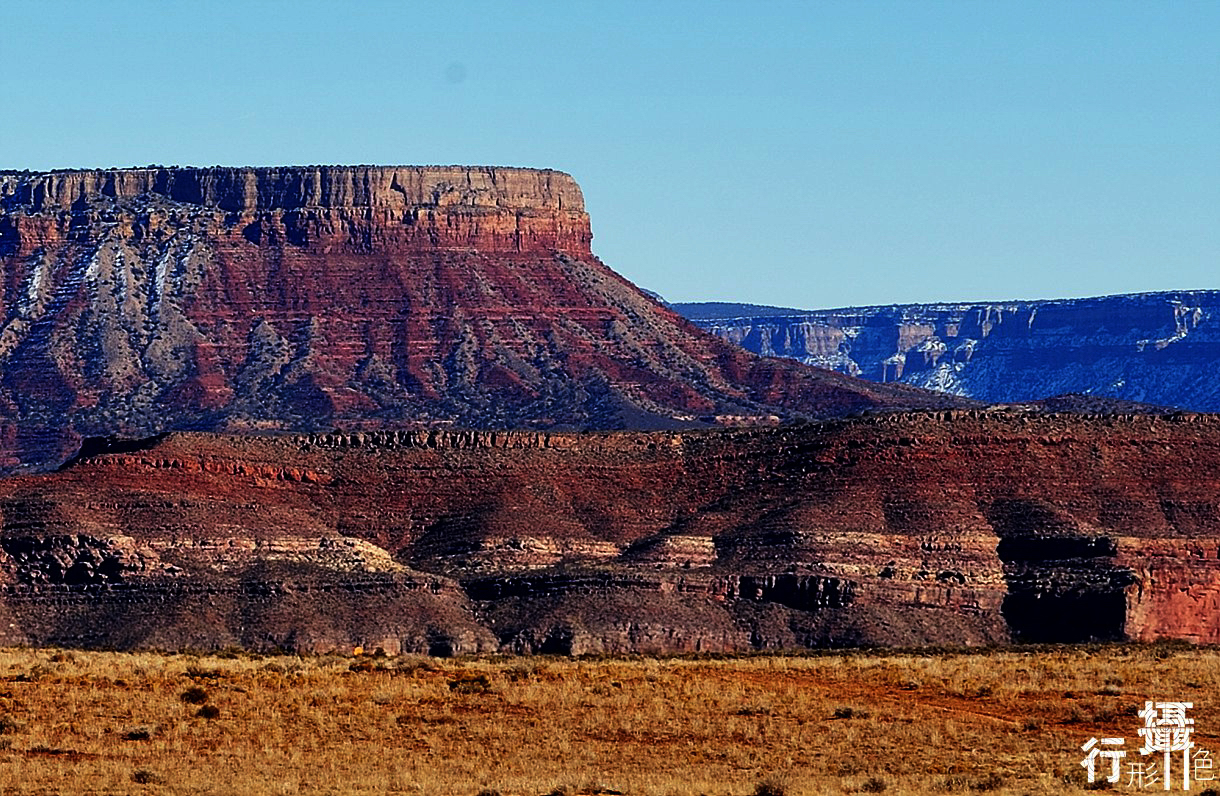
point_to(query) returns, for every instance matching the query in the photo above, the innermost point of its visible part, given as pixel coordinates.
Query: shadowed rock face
(951, 528)
(144, 300)
(1154, 348)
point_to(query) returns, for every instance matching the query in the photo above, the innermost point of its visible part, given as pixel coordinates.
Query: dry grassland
(1001, 722)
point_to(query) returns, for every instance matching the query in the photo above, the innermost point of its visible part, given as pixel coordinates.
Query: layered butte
(138, 301)
(960, 527)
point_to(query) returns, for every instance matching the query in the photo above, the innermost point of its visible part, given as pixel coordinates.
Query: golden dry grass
(1000, 722)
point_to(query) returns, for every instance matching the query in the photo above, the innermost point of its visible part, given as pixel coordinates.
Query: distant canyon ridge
(1155, 348)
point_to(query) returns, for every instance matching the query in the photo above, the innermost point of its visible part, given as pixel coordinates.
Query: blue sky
(803, 154)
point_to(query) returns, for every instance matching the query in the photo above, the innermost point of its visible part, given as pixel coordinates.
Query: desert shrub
(138, 734)
(471, 684)
(873, 785)
(142, 776)
(770, 787)
(364, 665)
(194, 695)
(415, 665)
(208, 712)
(10, 725)
(520, 673)
(992, 781)
(199, 673)
(850, 713)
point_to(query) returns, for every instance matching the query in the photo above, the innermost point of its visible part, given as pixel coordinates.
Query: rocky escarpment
(957, 527)
(1155, 348)
(137, 301)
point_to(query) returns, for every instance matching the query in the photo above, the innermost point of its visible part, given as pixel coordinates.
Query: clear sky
(803, 154)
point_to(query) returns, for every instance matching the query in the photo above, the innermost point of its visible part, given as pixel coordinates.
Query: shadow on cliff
(1063, 586)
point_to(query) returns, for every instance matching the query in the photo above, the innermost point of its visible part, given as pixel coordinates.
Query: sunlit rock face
(137, 301)
(1155, 348)
(957, 527)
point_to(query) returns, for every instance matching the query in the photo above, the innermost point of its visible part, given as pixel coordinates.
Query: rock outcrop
(138, 301)
(957, 527)
(1154, 348)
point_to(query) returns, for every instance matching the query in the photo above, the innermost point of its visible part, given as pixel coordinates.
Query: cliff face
(144, 300)
(956, 528)
(1157, 348)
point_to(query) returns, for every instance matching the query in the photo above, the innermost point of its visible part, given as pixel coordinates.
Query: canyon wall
(137, 301)
(956, 527)
(1155, 348)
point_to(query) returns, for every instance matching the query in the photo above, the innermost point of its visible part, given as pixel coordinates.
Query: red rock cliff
(950, 528)
(142, 300)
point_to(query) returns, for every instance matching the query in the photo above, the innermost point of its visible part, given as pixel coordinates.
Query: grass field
(1008, 722)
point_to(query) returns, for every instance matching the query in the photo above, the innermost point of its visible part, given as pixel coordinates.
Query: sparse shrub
(471, 684)
(36, 673)
(873, 785)
(142, 776)
(194, 696)
(363, 665)
(850, 713)
(199, 673)
(138, 734)
(208, 712)
(520, 673)
(415, 665)
(992, 781)
(770, 787)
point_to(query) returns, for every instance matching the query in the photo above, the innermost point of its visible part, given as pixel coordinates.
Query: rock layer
(961, 527)
(144, 300)
(1155, 348)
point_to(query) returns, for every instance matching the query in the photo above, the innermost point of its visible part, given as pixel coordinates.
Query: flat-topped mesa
(292, 187)
(360, 298)
(501, 209)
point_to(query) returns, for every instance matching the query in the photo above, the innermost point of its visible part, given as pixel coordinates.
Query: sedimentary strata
(1155, 348)
(958, 527)
(137, 301)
